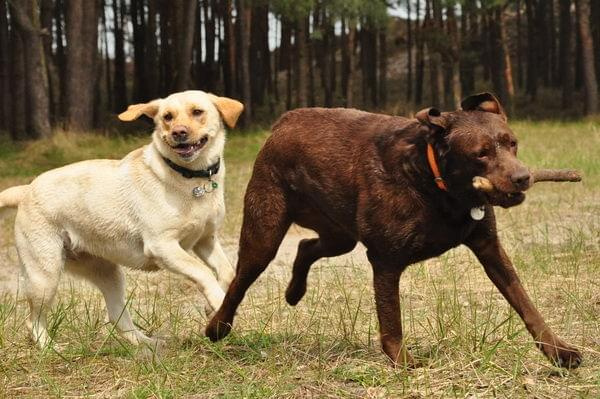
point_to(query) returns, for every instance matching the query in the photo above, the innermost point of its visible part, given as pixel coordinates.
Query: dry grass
(471, 343)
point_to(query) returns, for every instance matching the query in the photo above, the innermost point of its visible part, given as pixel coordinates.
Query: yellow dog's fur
(90, 217)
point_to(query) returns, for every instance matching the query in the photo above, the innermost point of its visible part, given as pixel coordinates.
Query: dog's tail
(12, 197)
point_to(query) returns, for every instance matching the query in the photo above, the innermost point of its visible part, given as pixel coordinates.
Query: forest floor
(456, 323)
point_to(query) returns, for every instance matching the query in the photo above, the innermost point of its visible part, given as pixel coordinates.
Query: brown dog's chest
(412, 235)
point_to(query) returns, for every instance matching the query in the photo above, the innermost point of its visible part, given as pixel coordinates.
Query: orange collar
(435, 169)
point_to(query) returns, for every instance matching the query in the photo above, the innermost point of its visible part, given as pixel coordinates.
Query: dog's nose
(179, 133)
(521, 179)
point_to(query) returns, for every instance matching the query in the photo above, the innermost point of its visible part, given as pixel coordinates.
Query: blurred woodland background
(73, 64)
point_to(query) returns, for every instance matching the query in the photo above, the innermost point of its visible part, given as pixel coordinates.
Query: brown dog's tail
(12, 197)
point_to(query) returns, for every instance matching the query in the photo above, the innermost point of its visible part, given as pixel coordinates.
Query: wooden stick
(483, 184)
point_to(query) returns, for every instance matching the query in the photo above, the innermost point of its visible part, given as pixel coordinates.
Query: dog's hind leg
(42, 260)
(265, 223)
(110, 280)
(328, 244)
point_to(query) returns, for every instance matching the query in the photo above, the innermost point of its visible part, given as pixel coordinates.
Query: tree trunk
(167, 47)
(139, 50)
(302, 63)
(259, 53)
(454, 38)
(108, 81)
(46, 16)
(587, 51)
(553, 64)
(119, 86)
(210, 71)
(151, 53)
(501, 73)
(27, 19)
(565, 67)
(82, 39)
(519, 45)
(245, 19)
(420, 58)
(18, 86)
(409, 52)
(382, 67)
(184, 28)
(595, 28)
(543, 45)
(61, 59)
(349, 93)
(5, 62)
(532, 70)
(229, 61)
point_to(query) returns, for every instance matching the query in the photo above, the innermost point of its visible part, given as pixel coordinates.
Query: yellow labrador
(160, 207)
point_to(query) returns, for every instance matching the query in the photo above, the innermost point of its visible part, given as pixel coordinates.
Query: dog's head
(476, 141)
(187, 123)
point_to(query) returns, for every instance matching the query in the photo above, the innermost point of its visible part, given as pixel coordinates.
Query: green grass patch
(456, 323)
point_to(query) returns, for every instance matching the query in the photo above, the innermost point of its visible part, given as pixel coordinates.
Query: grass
(470, 341)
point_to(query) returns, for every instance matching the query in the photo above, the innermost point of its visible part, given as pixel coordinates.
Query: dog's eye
(483, 153)
(168, 116)
(197, 112)
(513, 144)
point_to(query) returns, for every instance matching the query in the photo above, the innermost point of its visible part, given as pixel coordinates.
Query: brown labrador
(402, 187)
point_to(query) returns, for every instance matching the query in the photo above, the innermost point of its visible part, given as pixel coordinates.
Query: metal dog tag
(478, 213)
(198, 191)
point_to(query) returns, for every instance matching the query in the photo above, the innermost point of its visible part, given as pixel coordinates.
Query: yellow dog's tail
(12, 197)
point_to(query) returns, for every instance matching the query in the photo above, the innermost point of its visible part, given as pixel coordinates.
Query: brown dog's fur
(356, 176)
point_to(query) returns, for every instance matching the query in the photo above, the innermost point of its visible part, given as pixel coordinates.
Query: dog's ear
(229, 109)
(486, 102)
(432, 117)
(136, 110)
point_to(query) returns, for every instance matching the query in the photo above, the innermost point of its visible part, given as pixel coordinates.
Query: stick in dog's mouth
(557, 175)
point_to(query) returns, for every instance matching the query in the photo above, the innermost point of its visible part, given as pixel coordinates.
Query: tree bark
(350, 42)
(81, 59)
(60, 59)
(229, 61)
(17, 87)
(5, 62)
(565, 67)
(532, 70)
(27, 19)
(151, 54)
(420, 58)
(119, 85)
(244, 11)
(302, 63)
(454, 38)
(185, 22)
(382, 66)
(587, 51)
(409, 52)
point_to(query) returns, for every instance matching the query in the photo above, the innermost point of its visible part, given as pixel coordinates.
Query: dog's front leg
(500, 270)
(386, 279)
(210, 251)
(170, 256)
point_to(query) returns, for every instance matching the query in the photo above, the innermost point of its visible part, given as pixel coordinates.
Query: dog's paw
(217, 329)
(294, 293)
(563, 355)
(568, 358)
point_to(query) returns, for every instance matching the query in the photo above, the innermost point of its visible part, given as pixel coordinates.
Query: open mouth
(186, 150)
